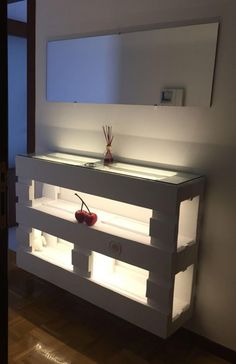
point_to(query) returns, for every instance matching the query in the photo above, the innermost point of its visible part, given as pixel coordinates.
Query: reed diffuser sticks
(107, 131)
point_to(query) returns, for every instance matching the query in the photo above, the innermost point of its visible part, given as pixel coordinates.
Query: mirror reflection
(169, 67)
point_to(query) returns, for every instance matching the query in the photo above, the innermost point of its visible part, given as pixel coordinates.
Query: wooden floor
(48, 325)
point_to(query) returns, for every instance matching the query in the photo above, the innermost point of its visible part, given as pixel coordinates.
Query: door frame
(24, 30)
(3, 184)
(15, 28)
(27, 30)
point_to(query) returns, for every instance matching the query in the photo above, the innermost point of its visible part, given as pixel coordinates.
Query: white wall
(196, 139)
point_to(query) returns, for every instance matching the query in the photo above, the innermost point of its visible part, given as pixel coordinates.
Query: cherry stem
(83, 203)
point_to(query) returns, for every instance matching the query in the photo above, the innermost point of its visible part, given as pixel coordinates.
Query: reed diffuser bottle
(107, 130)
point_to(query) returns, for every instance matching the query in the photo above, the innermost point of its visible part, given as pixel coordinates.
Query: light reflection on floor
(42, 350)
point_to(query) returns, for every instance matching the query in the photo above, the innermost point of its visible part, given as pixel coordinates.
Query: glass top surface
(130, 170)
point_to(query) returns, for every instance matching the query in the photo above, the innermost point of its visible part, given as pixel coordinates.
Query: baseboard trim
(210, 346)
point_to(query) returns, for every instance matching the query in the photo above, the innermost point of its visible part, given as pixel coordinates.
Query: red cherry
(90, 218)
(80, 215)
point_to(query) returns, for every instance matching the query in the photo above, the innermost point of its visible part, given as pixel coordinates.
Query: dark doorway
(3, 182)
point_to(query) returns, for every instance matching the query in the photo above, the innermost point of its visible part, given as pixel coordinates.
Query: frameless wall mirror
(171, 67)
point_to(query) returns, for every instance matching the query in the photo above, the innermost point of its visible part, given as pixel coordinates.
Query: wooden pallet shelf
(138, 261)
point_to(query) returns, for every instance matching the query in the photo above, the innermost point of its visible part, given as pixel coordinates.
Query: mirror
(170, 67)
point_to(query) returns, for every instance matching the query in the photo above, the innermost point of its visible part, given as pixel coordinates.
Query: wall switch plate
(172, 97)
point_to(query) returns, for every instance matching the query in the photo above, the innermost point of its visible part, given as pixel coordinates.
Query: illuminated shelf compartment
(130, 309)
(107, 222)
(138, 261)
(131, 281)
(59, 254)
(123, 278)
(133, 248)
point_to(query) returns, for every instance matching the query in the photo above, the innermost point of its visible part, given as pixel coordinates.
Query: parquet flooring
(50, 326)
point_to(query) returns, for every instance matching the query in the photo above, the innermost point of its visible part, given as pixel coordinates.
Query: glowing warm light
(126, 223)
(138, 171)
(42, 350)
(120, 168)
(67, 158)
(38, 241)
(107, 222)
(182, 291)
(121, 277)
(59, 255)
(111, 223)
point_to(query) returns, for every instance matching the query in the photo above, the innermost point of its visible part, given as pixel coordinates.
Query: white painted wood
(183, 285)
(24, 237)
(164, 233)
(50, 191)
(136, 191)
(191, 189)
(50, 240)
(132, 252)
(161, 266)
(24, 180)
(131, 310)
(82, 262)
(25, 192)
(185, 257)
(160, 295)
(38, 241)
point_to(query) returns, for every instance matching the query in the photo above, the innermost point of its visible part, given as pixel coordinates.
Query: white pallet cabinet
(138, 261)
